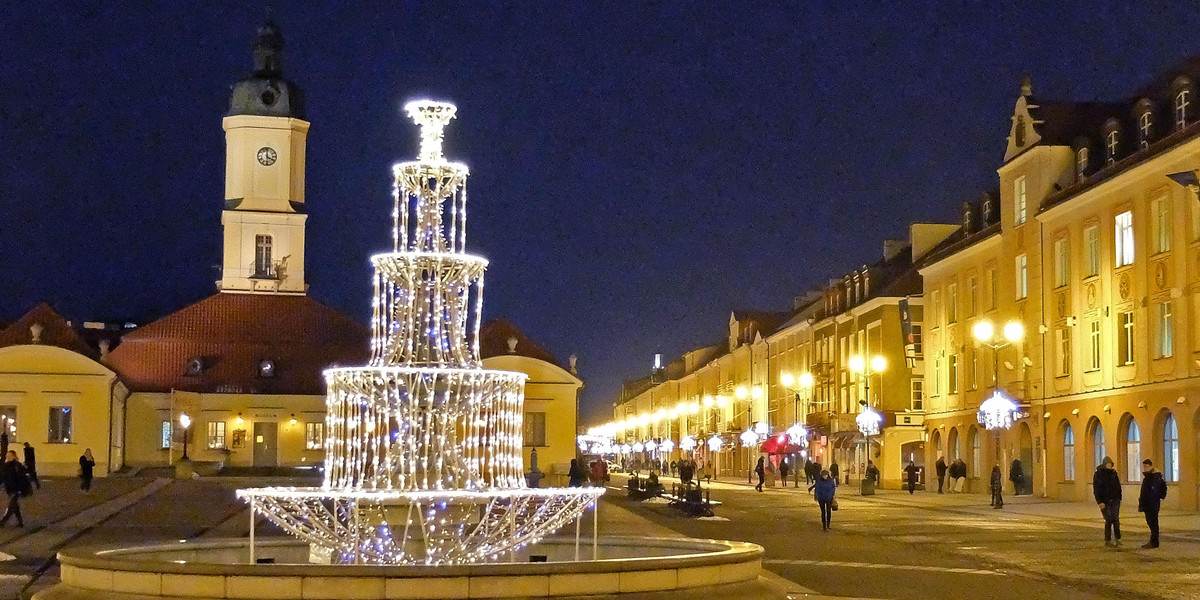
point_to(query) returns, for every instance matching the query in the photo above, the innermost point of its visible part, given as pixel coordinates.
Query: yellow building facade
(1093, 247)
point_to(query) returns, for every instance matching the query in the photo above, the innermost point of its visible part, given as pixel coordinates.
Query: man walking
(1106, 487)
(1154, 489)
(31, 465)
(941, 472)
(834, 472)
(997, 482)
(911, 475)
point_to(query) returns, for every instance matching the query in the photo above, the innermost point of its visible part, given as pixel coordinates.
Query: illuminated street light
(185, 421)
(715, 442)
(687, 444)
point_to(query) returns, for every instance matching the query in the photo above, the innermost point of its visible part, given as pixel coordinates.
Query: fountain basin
(624, 567)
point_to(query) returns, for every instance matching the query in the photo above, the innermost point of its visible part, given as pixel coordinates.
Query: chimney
(512, 345)
(893, 248)
(573, 361)
(35, 333)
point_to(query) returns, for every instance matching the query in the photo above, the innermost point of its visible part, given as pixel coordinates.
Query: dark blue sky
(639, 169)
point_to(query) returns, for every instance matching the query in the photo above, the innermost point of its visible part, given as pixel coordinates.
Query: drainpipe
(1041, 331)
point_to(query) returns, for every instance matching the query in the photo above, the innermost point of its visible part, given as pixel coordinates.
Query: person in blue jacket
(823, 490)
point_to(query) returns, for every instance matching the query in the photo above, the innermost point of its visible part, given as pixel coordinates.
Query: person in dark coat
(1016, 475)
(16, 484)
(31, 465)
(1154, 489)
(940, 465)
(808, 471)
(911, 475)
(761, 471)
(4, 438)
(1106, 487)
(872, 472)
(823, 490)
(834, 472)
(783, 471)
(687, 470)
(87, 463)
(997, 487)
(576, 475)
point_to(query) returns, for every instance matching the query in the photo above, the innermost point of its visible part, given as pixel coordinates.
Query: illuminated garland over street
(423, 457)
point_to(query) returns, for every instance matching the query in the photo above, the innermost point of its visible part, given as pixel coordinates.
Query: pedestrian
(4, 437)
(783, 471)
(761, 471)
(87, 463)
(31, 465)
(958, 474)
(808, 472)
(1154, 490)
(941, 472)
(1106, 487)
(823, 490)
(16, 484)
(1017, 475)
(997, 487)
(687, 470)
(873, 472)
(674, 466)
(912, 474)
(575, 475)
(834, 472)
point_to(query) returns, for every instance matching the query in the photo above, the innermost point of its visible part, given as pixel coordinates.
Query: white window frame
(1146, 126)
(1181, 104)
(1096, 436)
(918, 394)
(1091, 244)
(1123, 241)
(1161, 208)
(216, 434)
(952, 303)
(1125, 335)
(1170, 440)
(1064, 351)
(1062, 262)
(1166, 330)
(165, 431)
(1081, 160)
(952, 374)
(314, 435)
(1068, 453)
(1020, 200)
(1111, 142)
(918, 341)
(1133, 451)
(264, 248)
(1022, 277)
(1094, 336)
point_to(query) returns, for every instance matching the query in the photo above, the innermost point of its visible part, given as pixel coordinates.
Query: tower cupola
(265, 92)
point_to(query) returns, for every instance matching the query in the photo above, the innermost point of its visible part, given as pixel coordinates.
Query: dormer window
(1181, 108)
(194, 366)
(1145, 126)
(1112, 140)
(987, 210)
(1081, 162)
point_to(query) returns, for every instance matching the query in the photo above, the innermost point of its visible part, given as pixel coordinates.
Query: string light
(423, 446)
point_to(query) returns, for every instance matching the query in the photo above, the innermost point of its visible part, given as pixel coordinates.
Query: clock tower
(265, 139)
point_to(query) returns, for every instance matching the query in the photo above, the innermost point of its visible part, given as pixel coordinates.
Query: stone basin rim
(693, 553)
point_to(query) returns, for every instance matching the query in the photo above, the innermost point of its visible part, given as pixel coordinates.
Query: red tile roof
(493, 341)
(231, 334)
(56, 331)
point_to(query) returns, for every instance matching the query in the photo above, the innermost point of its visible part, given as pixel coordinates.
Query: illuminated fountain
(423, 462)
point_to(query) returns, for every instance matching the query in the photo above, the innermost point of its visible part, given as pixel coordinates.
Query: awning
(779, 444)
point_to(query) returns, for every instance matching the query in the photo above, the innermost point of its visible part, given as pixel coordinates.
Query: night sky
(638, 169)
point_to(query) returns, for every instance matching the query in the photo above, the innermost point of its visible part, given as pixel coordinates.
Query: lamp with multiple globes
(868, 420)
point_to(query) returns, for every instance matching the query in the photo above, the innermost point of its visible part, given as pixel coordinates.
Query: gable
(1021, 132)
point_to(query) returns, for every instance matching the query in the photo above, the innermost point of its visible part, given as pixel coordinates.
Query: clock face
(267, 156)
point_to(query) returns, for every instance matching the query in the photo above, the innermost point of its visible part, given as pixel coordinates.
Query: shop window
(60, 430)
(216, 434)
(314, 436)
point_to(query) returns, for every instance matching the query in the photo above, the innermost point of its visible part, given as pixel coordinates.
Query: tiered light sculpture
(423, 451)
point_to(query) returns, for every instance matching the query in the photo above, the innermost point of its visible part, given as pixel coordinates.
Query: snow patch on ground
(656, 500)
(711, 519)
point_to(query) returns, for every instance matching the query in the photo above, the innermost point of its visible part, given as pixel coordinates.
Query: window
(1146, 127)
(1091, 243)
(1125, 339)
(60, 429)
(1064, 351)
(216, 434)
(973, 371)
(1166, 330)
(952, 303)
(535, 429)
(1181, 111)
(918, 394)
(935, 306)
(1022, 273)
(1162, 225)
(1110, 143)
(1019, 199)
(918, 347)
(1068, 452)
(165, 440)
(262, 257)
(976, 452)
(314, 436)
(1094, 343)
(1098, 452)
(973, 301)
(1133, 452)
(993, 287)
(1081, 162)
(1062, 262)
(1170, 440)
(937, 376)
(1124, 238)
(952, 375)
(8, 421)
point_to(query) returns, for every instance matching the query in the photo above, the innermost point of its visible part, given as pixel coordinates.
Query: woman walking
(575, 475)
(86, 464)
(761, 471)
(997, 487)
(823, 491)
(16, 484)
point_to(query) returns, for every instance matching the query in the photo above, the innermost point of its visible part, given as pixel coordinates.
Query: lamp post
(185, 421)
(997, 413)
(798, 433)
(869, 420)
(752, 435)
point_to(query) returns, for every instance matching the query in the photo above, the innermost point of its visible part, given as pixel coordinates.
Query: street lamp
(997, 413)
(869, 420)
(687, 444)
(797, 433)
(185, 421)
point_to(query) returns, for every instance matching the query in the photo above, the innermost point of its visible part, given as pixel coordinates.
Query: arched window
(1145, 127)
(976, 454)
(1170, 439)
(1133, 452)
(1081, 162)
(1112, 140)
(1068, 445)
(954, 445)
(1098, 451)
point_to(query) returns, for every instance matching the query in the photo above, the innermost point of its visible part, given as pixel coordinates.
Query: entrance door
(1026, 459)
(266, 452)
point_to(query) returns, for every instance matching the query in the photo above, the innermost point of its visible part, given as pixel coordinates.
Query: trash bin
(868, 487)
